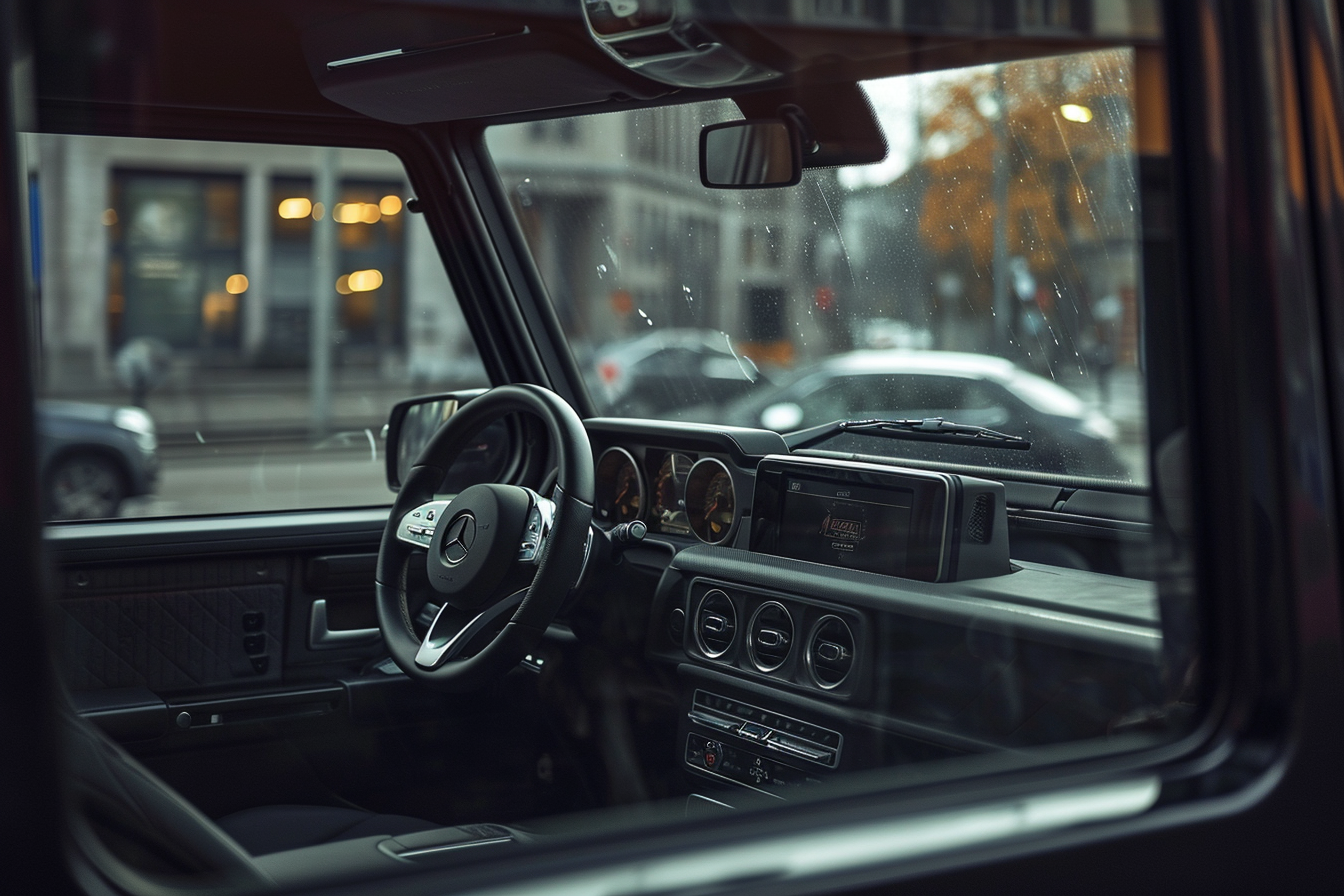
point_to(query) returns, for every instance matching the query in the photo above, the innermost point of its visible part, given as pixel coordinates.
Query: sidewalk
(249, 403)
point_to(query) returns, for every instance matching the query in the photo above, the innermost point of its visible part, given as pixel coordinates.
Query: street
(252, 476)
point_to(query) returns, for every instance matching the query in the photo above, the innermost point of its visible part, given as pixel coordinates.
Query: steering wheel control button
(413, 529)
(255, 645)
(254, 621)
(540, 520)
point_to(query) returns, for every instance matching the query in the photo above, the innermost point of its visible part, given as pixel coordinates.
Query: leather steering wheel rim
(559, 557)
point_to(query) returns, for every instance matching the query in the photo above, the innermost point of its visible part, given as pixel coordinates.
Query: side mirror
(751, 155)
(410, 426)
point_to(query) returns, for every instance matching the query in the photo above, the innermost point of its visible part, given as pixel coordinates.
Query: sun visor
(839, 119)
(469, 76)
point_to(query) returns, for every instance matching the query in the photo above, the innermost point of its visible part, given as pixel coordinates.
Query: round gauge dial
(669, 496)
(711, 505)
(619, 494)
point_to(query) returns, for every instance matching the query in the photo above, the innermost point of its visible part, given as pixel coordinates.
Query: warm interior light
(236, 285)
(389, 205)
(365, 281)
(369, 213)
(1075, 112)
(109, 216)
(318, 211)
(295, 208)
(343, 285)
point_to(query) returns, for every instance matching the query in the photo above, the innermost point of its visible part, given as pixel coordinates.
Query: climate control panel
(756, 747)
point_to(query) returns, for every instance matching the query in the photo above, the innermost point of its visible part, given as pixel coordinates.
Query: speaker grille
(980, 526)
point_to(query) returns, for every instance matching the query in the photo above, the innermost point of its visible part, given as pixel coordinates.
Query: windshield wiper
(930, 429)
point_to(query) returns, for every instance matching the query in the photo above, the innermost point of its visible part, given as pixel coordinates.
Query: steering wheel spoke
(447, 638)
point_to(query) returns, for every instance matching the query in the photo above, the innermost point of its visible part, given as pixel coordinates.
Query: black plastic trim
(1018, 601)
(744, 446)
(182, 536)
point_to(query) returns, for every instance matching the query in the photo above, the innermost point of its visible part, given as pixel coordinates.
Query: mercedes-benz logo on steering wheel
(457, 540)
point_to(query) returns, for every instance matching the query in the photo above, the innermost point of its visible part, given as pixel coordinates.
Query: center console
(745, 744)
(869, 616)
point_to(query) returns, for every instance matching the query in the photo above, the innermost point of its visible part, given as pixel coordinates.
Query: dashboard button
(752, 731)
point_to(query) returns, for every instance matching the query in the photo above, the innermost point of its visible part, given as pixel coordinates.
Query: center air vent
(830, 651)
(770, 636)
(716, 623)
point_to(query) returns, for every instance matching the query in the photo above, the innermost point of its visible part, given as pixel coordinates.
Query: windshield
(986, 271)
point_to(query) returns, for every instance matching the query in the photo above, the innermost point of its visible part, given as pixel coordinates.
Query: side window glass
(225, 326)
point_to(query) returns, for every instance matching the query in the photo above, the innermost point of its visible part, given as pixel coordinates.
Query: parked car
(982, 390)
(666, 369)
(93, 457)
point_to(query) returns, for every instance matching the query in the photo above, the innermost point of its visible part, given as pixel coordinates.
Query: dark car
(93, 457)
(1066, 436)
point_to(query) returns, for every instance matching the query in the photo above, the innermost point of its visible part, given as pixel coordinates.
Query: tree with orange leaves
(1066, 119)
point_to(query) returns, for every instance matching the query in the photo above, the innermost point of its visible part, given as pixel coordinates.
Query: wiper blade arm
(929, 429)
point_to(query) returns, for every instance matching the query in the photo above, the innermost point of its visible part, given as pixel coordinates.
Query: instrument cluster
(674, 493)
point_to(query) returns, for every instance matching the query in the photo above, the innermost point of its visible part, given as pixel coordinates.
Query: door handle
(321, 636)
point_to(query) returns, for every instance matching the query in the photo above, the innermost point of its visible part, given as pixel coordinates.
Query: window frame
(1260, 777)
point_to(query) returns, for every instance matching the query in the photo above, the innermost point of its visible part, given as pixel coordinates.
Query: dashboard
(673, 492)
(824, 615)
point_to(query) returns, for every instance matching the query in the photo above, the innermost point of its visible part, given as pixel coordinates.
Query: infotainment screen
(855, 516)
(844, 524)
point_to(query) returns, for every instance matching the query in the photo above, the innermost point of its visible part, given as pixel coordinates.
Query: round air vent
(770, 636)
(830, 651)
(715, 623)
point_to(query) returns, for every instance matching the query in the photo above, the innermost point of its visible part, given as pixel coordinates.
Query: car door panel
(154, 650)
(171, 641)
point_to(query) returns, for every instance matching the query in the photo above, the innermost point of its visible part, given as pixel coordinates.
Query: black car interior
(535, 629)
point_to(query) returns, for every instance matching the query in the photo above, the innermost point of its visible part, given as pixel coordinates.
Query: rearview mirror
(751, 155)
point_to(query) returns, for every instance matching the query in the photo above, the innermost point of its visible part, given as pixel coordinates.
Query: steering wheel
(493, 552)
